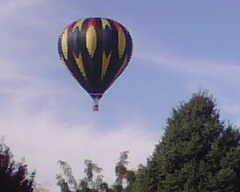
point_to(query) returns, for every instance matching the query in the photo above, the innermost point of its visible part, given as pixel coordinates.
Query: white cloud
(227, 70)
(43, 136)
(220, 78)
(43, 139)
(13, 7)
(10, 71)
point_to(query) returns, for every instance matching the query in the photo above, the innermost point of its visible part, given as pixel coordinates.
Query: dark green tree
(140, 183)
(13, 176)
(198, 152)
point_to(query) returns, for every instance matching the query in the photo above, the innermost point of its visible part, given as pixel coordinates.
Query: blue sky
(180, 47)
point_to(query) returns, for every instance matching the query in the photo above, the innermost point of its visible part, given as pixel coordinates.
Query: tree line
(198, 152)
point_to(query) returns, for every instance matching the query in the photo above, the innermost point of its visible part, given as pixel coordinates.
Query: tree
(198, 152)
(14, 176)
(140, 182)
(68, 183)
(121, 169)
(124, 177)
(90, 169)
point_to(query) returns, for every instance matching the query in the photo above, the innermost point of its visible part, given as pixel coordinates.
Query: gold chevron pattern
(125, 62)
(105, 63)
(65, 44)
(121, 42)
(96, 51)
(91, 40)
(79, 62)
(105, 24)
(78, 25)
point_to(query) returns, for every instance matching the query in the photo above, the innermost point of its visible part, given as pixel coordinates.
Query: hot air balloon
(96, 51)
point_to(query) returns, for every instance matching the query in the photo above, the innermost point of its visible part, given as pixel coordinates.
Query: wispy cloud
(34, 129)
(220, 77)
(12, 8)
(226, 70)
(10, 71)
(34, 104)
(43, 139)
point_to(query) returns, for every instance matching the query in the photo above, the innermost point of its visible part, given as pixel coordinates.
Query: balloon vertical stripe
(91, 40)
(105, 24)
(121, 42)
(64, 44)
(78, 25)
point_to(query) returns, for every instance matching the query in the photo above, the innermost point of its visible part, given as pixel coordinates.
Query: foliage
(121, 169)
(93, 180)
(68, 183)
(13, 176)
(140, 182)
(198, 152)
(124, 177)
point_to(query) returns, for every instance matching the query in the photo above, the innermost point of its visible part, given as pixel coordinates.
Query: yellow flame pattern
(105, 63)
(121, 42)
(125, 62)
(105, 23)
(91, 40)
(79, 62)
(78, 25)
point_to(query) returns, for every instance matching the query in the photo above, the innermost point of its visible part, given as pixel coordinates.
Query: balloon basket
(95, 104)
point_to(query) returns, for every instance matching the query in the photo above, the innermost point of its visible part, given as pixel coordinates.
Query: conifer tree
(140, 183)
(198, 152)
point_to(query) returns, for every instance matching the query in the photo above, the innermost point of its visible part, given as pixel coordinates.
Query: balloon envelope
(96, 51)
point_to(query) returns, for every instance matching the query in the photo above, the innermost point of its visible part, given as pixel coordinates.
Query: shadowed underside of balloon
(96, 51)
